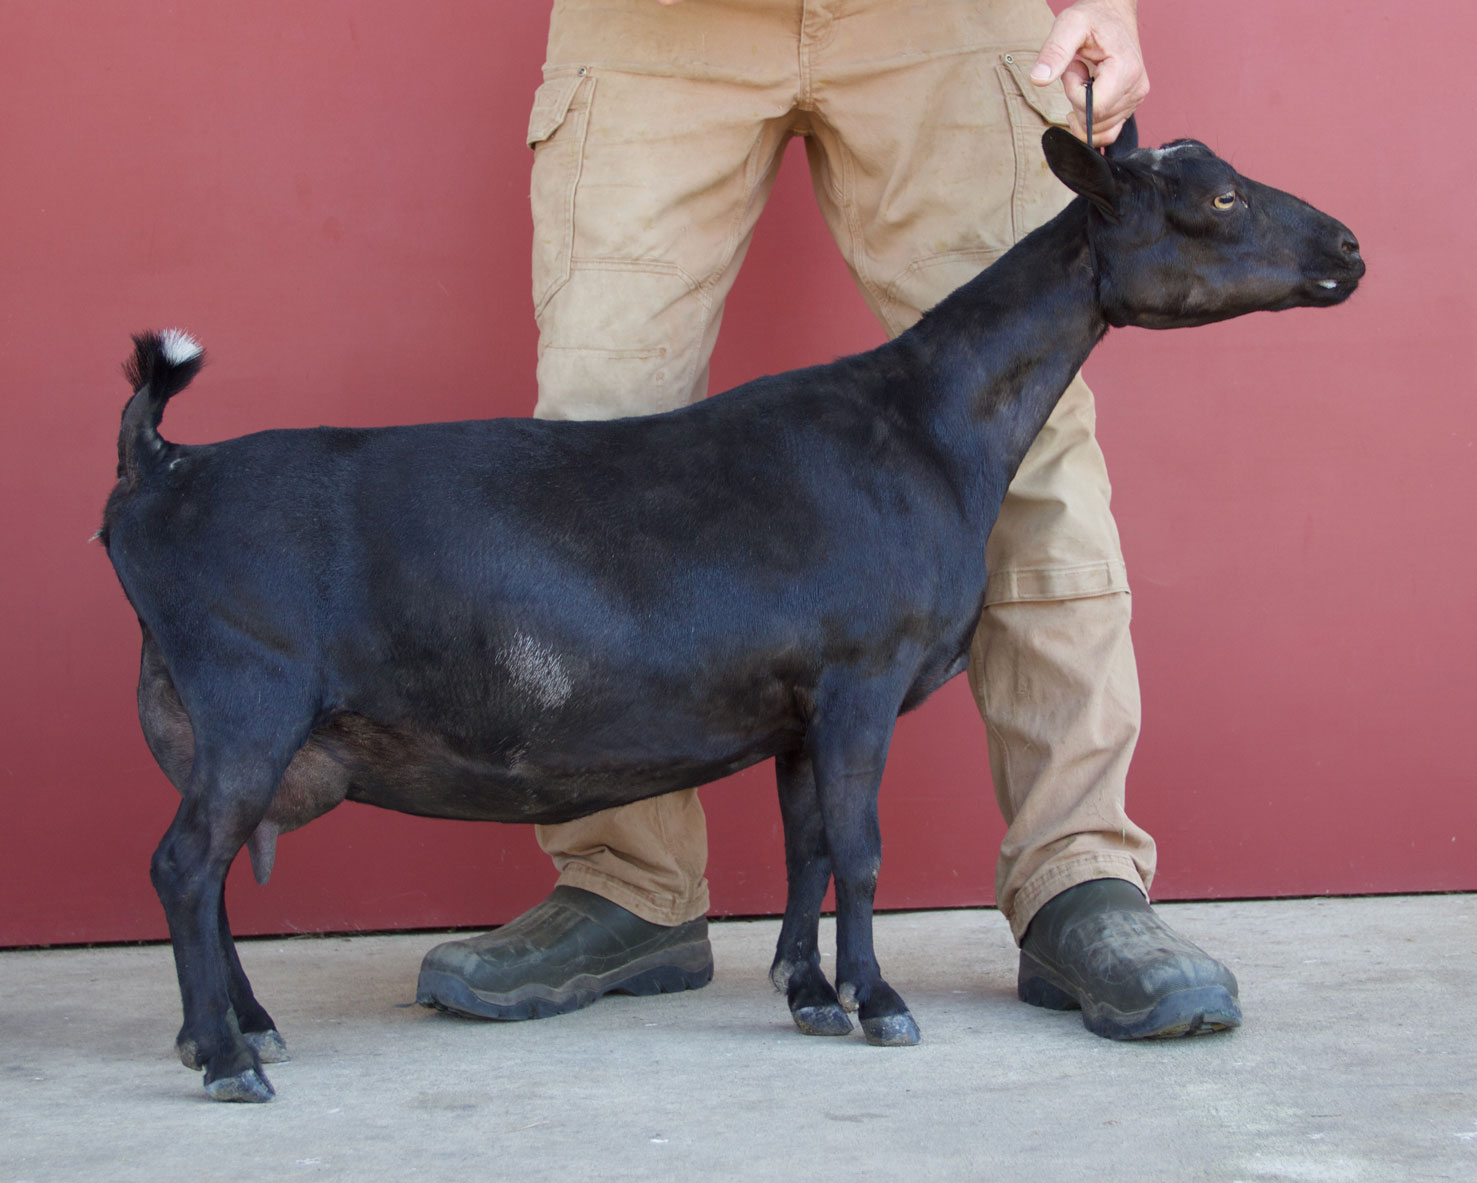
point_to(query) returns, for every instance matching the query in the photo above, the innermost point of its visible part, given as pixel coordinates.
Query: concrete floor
(1358, 1061)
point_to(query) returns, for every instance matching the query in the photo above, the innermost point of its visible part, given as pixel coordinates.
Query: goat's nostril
(1350, 245)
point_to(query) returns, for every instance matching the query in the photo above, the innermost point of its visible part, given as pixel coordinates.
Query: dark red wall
(333, 196)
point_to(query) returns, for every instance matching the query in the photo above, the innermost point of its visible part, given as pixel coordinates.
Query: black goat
(527, 621)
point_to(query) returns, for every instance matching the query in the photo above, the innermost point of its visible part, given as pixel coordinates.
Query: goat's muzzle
(1334, 278)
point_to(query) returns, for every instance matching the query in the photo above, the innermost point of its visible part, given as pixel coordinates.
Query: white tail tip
(179, 347)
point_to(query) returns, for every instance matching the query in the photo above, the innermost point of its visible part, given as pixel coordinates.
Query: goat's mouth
(1334, 288)
(1328, 290)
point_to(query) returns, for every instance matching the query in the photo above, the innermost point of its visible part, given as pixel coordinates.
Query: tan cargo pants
(658, 134)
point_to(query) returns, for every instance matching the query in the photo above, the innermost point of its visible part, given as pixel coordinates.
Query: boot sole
(668, 971)
(1199, 1010)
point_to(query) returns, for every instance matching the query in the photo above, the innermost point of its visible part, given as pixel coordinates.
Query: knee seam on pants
(637, 266)
(1083, 581)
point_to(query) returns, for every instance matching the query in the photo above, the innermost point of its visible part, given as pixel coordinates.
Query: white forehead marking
(536, 670)
(1156, 155)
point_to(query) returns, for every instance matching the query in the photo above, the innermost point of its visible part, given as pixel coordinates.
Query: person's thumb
(1066, 36)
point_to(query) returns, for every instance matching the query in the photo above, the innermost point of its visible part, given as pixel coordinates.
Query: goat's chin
(1180, 318)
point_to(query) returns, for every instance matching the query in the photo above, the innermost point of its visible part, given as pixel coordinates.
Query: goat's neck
(1000, 351)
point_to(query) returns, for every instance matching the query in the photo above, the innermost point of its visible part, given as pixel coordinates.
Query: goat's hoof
(251, 1085)
(826, 1019)
(846, 992)
(891, 1030)
(269, 1046)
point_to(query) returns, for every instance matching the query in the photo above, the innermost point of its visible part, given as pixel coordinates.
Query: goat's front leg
(797, 959)
(848, 746)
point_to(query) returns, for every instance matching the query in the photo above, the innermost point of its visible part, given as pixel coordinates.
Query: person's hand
(1097, 39)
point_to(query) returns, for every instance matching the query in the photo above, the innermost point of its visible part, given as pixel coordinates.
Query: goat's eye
(1226, 201)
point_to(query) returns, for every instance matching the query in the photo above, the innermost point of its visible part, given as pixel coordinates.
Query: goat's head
(1181, 238)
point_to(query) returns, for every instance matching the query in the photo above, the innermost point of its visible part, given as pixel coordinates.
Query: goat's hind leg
(228, 791)
(257, 1027)
(170, 736)
(797, 959)
(188, 871)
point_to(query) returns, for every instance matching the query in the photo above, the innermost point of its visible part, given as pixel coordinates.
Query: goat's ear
(1081, 169)
(1127, 141)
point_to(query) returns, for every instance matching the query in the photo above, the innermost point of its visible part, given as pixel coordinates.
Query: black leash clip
(1089, 112)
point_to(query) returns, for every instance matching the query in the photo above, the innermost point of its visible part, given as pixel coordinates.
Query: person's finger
(1118, 87)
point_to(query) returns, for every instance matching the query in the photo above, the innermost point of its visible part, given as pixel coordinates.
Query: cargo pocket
(556, 133)
(1038, 196)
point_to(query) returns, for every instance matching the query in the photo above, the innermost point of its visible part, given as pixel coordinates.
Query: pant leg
(658, 134)
(1053, 673)
(925, 149)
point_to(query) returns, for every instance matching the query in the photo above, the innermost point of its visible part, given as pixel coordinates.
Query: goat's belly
(421, 774)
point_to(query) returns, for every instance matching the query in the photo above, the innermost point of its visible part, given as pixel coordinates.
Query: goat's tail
(161, 366)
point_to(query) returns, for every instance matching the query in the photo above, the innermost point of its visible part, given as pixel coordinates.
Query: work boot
(1099, 946)
(560, 956)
